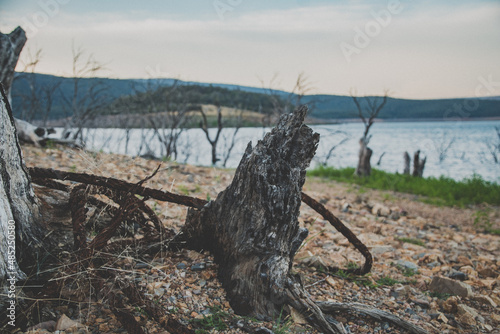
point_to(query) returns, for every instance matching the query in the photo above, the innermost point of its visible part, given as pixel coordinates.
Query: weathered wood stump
(418, 164)
(364, 167)
(252, 227)
(252, 230)
(11, 46)
(19, 206)
(407, 160)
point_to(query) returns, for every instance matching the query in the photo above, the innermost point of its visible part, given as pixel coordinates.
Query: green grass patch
(386, 280)
(438, 191)
(389, 281)
(216, 320)
(412, 241)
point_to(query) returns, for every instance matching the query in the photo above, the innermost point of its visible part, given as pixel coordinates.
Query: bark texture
(418, 164)
(10, 48)
(407, 159)
(364, 167)
(252, 227)
(18, 202)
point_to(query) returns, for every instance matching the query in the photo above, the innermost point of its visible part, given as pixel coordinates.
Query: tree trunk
(19, 205)
(365, 153)
(252, 227)
(10, 48)
(418, 164)
(406, 169)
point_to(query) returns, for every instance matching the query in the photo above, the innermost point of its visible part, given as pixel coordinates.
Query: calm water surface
(467, 153)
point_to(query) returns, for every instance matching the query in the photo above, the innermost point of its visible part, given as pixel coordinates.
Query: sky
(413, 49)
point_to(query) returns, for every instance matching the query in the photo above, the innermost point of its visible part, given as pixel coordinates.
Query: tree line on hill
(44, 97)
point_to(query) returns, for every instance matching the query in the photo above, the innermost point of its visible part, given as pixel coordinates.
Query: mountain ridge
(323, 106)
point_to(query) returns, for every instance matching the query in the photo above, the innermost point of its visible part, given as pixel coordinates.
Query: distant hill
(327, 107)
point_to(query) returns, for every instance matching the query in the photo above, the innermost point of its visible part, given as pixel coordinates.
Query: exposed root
(328, 307)
(299, 299)
(116, 184)
(346, 232)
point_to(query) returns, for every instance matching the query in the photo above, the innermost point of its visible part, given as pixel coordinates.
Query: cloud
(446, 46)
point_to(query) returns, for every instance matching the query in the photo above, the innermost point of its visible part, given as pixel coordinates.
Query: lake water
(467, 153)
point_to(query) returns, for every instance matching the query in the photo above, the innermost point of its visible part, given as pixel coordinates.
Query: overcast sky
(415, 49)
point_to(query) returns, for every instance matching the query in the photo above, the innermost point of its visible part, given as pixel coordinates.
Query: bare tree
(85, 100)
(37, 103)
(493, 146)
(220, 127)
(166, 119)
(228, 149)
(368, 108)
(285, 103)
(324, 160)
(443, 145)
(204, 126)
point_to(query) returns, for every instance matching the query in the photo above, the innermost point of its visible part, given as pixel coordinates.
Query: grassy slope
(441, 191)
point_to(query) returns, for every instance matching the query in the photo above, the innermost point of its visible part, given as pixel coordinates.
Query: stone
(380, 210)
(345, 207)
(332, 282)
(394, 215)
(376, 250)
(450, 305)
(447, 285)
(198, 266)
(47, 325)
(65, 323)
(488, 283)
(181, 265)
(466, 315)
(407, 265)
(458, 275)
(421, 302)
(485, 300)
(488, 272)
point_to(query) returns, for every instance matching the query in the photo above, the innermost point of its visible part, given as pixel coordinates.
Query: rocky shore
(432, 265)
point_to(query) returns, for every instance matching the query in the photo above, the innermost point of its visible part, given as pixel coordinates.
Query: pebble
(198, 266)
(407, 265)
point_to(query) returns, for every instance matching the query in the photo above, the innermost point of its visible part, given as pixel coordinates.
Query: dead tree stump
(418, 164)
(252, 227)
(407, 159)
(10, 49)
(364, 167)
